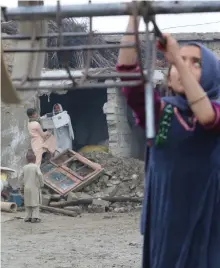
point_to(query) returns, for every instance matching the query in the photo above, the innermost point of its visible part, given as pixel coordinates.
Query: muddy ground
(89, 241)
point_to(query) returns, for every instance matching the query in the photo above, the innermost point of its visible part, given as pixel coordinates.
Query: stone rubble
(122, 177)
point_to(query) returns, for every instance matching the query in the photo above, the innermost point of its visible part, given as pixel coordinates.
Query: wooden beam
(8, 92)
(29, 64)
(59, 211)
(89, 201)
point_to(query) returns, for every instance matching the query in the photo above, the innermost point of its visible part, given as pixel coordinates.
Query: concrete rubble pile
(122, 177)
(119, 188)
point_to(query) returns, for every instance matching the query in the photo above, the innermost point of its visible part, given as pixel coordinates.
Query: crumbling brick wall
(118, 127)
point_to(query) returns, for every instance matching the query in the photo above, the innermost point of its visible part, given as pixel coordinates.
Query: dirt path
(92, 241)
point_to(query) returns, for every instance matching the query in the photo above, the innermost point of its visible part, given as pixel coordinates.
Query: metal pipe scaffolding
(145, 9)
(70, 87)
(109, 9)
(65, 34)
(68, 48)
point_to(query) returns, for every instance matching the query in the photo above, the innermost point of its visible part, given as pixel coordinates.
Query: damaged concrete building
(99, 116)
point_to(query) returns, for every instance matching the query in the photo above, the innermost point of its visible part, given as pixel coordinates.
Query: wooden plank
(88, 201)
(59, 211)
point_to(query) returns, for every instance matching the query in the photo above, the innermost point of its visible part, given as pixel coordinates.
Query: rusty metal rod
(64, 34)
(68, 48)
(79, 87)
(110, 9)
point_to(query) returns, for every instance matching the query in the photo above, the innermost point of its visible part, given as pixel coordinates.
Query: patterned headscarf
(210, 79)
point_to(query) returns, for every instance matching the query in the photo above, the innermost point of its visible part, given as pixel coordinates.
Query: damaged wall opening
(85, 108)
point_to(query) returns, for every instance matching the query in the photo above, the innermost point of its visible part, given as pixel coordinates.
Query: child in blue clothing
(181, 209)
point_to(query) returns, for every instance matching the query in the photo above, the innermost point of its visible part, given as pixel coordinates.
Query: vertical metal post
(149, 86)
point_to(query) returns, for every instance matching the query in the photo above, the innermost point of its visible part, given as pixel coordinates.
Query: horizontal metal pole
(110, 9)
(68, 48)
(179, 7)
(89, 76)
(95, 34)
(65, 34)
(80, 87)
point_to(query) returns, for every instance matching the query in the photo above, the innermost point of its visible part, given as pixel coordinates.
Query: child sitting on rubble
(31, 180)
(181, 209)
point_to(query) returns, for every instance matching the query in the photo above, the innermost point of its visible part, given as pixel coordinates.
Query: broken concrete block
(46, 198)
(71, 196)
(132, 187)
(126, 179)
(139, 194)
(105, 179)
(138, 207)
(134, 177)
(78, 195)
(81, 195)
(116, 182)
(111, 191)
(110, 209)
(77, 209)
(95, 209)
(87, 189)
(55, 197)
(100, 202)
(94, 188)
(45, 191)
(99, 195)
(121, 210)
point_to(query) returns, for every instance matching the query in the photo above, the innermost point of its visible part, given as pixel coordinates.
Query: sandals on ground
(27, 220)
(35, 220)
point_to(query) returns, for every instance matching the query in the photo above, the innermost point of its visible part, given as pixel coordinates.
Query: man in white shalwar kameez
(31, 181)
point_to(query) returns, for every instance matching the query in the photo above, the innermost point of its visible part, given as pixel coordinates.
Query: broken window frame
(80, 182)
(55, 186)
(76, 156)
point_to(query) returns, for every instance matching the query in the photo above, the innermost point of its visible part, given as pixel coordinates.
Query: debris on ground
(93, 182)
(121, 177)
(118, 188)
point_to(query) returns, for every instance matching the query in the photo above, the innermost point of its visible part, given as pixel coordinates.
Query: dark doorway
(85, 108)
